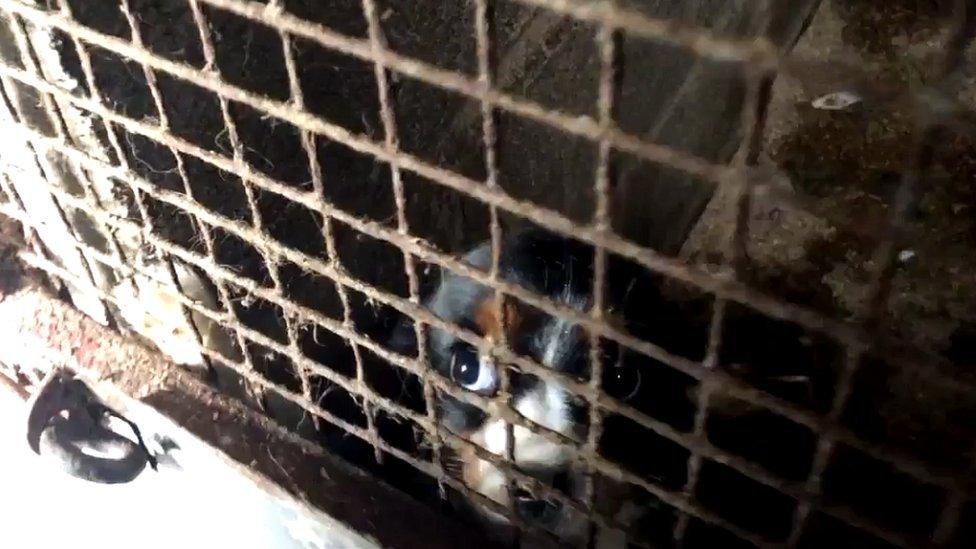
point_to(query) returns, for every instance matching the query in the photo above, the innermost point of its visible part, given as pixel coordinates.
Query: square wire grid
(612, 23)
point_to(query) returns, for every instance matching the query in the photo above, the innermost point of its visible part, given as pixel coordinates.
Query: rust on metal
(612, 22)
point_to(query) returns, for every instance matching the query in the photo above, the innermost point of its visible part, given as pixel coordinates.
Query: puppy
(561, 270)
(637, 302)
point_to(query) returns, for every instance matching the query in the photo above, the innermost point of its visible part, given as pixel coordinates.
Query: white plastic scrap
(836, 101)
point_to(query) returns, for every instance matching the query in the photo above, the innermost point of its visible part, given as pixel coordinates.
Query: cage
(273, 193)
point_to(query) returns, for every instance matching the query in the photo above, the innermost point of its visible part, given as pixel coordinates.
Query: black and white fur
(636, 302)
(562, 271)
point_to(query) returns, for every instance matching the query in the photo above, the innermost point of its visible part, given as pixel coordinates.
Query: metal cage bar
(612, 22)
(914, 467)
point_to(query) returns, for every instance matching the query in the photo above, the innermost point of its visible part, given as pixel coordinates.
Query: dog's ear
(403, 339)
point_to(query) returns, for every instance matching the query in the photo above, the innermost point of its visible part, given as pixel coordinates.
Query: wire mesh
(236, 287)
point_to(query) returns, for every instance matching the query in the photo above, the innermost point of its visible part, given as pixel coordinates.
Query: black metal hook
(68, 422)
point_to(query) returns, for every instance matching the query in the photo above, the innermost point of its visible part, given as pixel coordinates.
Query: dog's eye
(472, 373)
(622, 381)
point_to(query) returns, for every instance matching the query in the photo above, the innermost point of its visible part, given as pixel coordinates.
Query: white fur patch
(546, 405)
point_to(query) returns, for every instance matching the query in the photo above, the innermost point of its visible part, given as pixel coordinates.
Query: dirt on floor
(843, 169)
(813, 239)
(10, 268)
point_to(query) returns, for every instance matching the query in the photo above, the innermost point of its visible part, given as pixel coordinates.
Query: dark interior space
(650, 410)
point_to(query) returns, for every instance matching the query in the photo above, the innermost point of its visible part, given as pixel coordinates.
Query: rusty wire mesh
(24, 75)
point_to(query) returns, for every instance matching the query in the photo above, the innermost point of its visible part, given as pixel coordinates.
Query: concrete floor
(206, 504)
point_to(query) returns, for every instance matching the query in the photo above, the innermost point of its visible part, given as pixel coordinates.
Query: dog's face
(635, 303)
(546, 267)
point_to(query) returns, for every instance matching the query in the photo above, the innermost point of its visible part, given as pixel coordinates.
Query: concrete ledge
(344, 506)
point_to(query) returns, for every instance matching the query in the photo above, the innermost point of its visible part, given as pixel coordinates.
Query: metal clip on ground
(68, 422)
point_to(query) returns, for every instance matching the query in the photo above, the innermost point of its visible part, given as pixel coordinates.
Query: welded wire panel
(280, 171)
